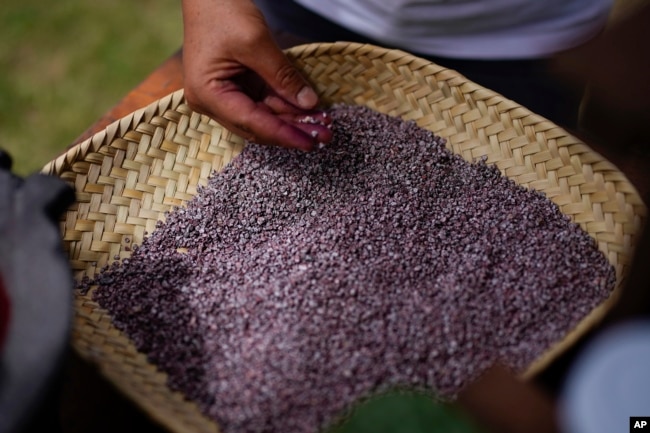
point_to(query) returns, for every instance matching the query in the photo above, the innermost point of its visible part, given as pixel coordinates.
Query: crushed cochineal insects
(294, 283)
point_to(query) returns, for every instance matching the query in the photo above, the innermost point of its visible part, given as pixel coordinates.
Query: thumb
(285, 80)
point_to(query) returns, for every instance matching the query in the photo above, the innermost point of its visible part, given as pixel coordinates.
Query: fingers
(288, 131)
(258, 122)
(316, 124)
(271, 120)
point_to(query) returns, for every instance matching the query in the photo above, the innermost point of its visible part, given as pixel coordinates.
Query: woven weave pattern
(130, 174)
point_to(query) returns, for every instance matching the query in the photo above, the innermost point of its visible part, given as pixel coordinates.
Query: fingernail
(307, 98)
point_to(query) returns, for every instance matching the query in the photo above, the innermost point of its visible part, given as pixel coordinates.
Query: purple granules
(294, 283)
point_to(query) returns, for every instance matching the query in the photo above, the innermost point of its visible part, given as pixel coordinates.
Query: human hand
(235, 73)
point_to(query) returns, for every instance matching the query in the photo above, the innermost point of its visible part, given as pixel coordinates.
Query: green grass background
(65, 63)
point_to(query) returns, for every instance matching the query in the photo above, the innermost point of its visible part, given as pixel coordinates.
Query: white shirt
(476, 29)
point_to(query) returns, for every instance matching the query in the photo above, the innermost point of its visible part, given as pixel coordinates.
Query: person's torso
(477, 29)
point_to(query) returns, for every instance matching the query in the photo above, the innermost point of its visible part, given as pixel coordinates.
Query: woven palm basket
(128, 175)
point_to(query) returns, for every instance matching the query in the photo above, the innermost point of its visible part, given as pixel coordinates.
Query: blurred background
(65, 63)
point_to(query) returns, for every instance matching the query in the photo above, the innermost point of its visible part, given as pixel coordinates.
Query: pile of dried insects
(295, 283)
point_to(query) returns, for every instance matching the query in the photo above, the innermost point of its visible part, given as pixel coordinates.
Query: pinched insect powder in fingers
(295, 283)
